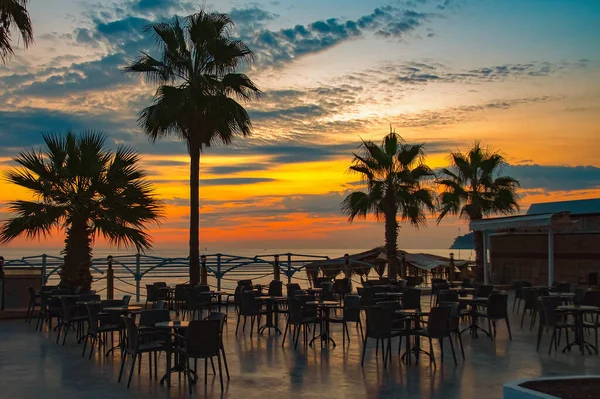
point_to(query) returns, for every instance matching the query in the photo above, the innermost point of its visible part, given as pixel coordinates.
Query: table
(578, 311)
(396, 294)
(270, 301)
(415, 315)
(125, 309)
(323, 307)
(474, 327)
(180, 366)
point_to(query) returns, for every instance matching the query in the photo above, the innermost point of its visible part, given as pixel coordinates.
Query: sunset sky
(521, 76)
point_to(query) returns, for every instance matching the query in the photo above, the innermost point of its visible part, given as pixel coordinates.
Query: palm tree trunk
(194, 214)
(391, 243)
(78, 256)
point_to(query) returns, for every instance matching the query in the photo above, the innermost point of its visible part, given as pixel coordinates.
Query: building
(554, 241)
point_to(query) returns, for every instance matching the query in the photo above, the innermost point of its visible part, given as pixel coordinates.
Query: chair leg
(190, 381)
(122, 365)
(92, 347)
(60, 327)
(287, 327)
(362, 361)
(442, 349)
(453, 353)
(552, 341)
(131, 369)
(539, 336)
(508, 327)
(237, 325)
(65, 335)
(225, 361)
(220, 371)
(431, 355)
(462, 350)
(523, 317)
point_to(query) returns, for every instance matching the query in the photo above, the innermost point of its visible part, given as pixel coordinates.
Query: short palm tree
(394, 174)
(196, 97)
(14, 13)
(473, 188)
(86, 190)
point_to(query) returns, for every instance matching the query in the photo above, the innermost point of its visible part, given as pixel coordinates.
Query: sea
(125, 284)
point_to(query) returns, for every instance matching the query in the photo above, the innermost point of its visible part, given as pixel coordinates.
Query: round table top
(316, 289)
(122, 308)
(271, 298)
(87, 302)
(219, 292)
(389, 293)
(172, 324)
(472, 299)
(579, 308)
(412, 312)
(324, 303)
(65, 296)
(565, 294)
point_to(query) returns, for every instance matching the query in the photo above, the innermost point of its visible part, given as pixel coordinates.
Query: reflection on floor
(33, 366)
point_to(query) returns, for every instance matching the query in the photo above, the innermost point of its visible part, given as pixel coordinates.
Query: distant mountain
(463, 242)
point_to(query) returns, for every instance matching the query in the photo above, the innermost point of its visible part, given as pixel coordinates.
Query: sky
(521, 76)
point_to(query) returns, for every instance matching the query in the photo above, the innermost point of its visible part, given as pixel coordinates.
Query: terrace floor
(33, 366)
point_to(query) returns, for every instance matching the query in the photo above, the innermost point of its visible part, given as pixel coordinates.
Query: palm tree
(196, 97)
(14, 12)
(393, 173)
(86, 190)
(472, 188)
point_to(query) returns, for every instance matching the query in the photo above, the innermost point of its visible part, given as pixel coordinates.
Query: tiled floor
(33, 366)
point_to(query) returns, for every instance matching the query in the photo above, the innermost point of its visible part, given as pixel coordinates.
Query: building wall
(525, 257)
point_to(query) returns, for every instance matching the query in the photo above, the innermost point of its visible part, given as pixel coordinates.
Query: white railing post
(138, 277)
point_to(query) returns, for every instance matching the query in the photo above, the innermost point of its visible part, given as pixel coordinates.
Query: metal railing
(129, 271)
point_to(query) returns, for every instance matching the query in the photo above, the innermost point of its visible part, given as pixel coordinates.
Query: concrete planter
(512, 390)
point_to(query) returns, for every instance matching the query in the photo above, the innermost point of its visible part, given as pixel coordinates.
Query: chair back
(76, 290)
(327, 293)
(126, 299)
(92, 311)
(248, 304)
(151, 292)
(244, 283)
(180, 293)
(592, 298)
(438, 324)
(530, 297)
(159, 305)
(133, 338)
(148, 318)
(108, 303)
(203, 338)
(61, 291)
(65, 309)
(366, 296)
(454, 320)
(412, 281)
(202, 288)
(447, 296)
(291, 289)
(191, 299)
(295, 309)
(342, 287)
(484, 291)
(352, 308)
(497, 306)
(401, 285)
(549, 306)
(89, 298)
(468, 282)
(411, 298)
(160, 284)
(579, 294)
(218, 316)
(31, 292)
(49, 288)
(275, 288)
(379, 322)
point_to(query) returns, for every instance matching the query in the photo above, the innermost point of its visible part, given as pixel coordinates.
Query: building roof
(578, 207)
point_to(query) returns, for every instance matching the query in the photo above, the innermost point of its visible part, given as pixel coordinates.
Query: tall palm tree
(88, 191)
(394, 174)
(473, 188)
(14, 12)
(196, 97)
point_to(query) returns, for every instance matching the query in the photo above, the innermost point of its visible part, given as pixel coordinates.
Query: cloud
(555, 177)
(285, 45)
